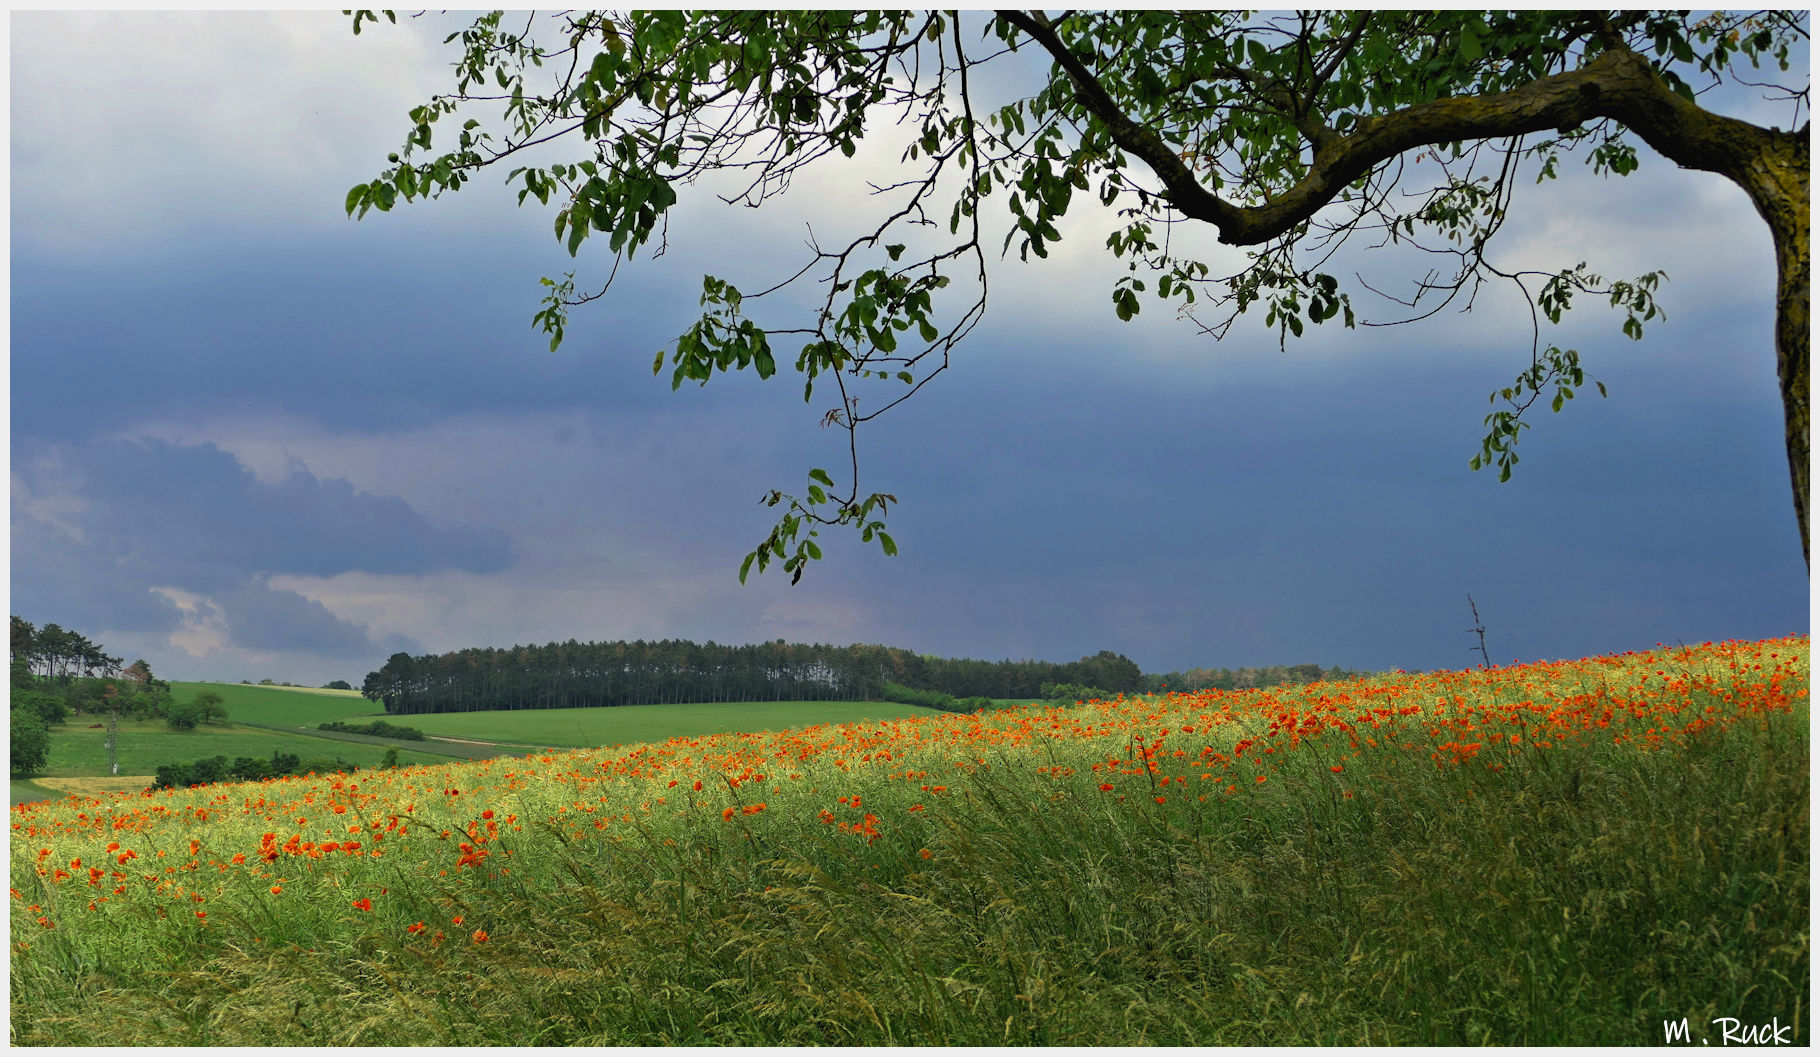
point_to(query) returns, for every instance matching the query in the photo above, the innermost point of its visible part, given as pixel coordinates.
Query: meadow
(1550, 853)
(633, 724)
(282, 706)
(79, 749)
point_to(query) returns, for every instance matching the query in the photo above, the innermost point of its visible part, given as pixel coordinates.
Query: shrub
(325, 765)
(1069, 693)
(31, 744)
(49, 708)
(183, 717)
(906, 695)
(379, 728)
(212, 706)
(909, 695)
(250, 769)
(209, 770)
(243, 769)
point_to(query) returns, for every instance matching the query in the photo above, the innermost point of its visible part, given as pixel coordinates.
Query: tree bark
(1777, 183)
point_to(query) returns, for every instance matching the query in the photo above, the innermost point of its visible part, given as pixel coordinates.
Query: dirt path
(484, 744)
(105, 783)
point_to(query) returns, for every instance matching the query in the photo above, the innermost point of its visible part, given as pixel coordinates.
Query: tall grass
(1372, 877)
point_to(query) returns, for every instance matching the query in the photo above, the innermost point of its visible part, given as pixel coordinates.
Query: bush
(212, 706)
(49, 708)
(909, 695)
(243, 769)
(183, 717)
(379, 728)
(209, 770)
(31, 744)
(1069, 693)
(250, 769)
(337, 684)
(905, 695)
(324, 765)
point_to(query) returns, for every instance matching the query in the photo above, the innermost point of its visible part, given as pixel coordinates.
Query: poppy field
(1544, 853)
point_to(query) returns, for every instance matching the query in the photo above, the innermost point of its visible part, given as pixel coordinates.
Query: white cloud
(204, 630)
(129, 128)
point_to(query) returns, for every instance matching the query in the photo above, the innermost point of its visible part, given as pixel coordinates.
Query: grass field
(78, 750)
(573, 727)
(633, 724)
(25, 791)
(282, 706)
(1562, 853)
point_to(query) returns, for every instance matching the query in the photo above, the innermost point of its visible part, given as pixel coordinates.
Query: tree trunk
(1778, 187)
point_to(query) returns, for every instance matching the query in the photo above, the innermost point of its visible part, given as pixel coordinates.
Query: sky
(252, 438)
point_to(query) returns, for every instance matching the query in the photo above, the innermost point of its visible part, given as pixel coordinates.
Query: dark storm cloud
(197, 508)
(98, 526)
(1073, 484)
(367, 332)
(260, 618)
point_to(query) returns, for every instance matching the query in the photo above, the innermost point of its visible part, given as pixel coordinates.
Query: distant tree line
(56, 653)
(1246, 678)
(594, 674)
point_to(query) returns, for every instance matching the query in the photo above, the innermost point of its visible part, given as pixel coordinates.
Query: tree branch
(1618, 83)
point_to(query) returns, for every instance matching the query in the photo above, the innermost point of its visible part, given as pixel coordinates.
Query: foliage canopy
(1289, 135)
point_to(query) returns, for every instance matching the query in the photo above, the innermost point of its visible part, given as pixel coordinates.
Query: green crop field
(631, 724)
(282, 706)
(78, 749)
(286, 706)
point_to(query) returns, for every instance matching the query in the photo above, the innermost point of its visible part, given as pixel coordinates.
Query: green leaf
(1470, 49)
(822, 476)
(746, 565)
(886, 542)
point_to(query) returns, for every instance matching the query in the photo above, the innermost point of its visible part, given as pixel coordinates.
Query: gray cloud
(100, 528)
(261, 618)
